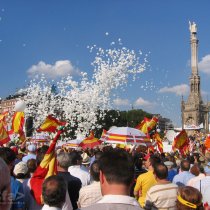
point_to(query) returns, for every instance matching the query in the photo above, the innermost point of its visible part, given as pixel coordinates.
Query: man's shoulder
(94, 185)
(69, 178)
(160, 187)
(112, 206)
(145, 175)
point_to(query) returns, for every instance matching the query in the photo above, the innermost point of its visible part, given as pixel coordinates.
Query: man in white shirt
(90, 194)
(162, 195)
(31, 153)
(116, 177)
(203, 185)
(76, 169)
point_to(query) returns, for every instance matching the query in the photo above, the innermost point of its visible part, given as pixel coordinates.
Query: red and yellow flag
(103, 133)
(3, 117)
(18, 122)
(159, 142)
(50, 124)
(207, 143)
(46, 168)
(152, 123)
(90, 141)
(147, 125)
(4, 136)
(22, 136)
(140, 125)
(181, 142)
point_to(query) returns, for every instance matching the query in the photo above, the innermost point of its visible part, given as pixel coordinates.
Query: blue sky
(53, 31)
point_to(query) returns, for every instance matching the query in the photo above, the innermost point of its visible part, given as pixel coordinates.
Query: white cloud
(179, 90)
(59, 69)
(121, 102)
(143, 103)
(204, 64)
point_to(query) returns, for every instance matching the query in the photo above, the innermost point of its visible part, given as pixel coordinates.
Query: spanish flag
(90, 141)
(46, 168)
(3, 117)
(22, 136)
(103, 133)
(140, 125)
(159, 142)
(50, 124)
(207, 143)
(17, 122)
(4, 136)
(147, 125)
(181, 142)
(152, 123)
(143, 125)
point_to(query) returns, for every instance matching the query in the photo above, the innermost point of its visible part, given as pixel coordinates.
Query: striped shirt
(162, 196)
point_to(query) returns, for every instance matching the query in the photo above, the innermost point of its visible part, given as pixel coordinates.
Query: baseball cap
(32, 148)
(168, 163)
(20, 168)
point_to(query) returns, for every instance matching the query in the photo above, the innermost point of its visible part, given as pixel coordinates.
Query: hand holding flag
(50, 125)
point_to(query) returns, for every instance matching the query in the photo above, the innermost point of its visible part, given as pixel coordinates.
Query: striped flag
(22, 136)
(142, 126)
(4, 136)
(17, 122)
(147, 124)
(207, 143)
(90, 141)
(152, 123)
(103, 133)
(3, 117)
(50, 124)
(159, 142)
(46, 168)
(181, 142)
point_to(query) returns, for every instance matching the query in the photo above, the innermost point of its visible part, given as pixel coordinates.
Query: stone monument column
(194, 48)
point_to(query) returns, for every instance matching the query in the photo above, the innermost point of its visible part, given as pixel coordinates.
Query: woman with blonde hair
(189, 198)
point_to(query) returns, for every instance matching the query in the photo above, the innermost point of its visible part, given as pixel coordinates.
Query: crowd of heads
(114, 168)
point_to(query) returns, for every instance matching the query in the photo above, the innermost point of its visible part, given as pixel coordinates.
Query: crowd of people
(105, 178)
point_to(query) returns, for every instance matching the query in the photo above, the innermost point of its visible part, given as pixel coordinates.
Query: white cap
(20, 168)
(168, 163)
(85, 159)
(32, 148)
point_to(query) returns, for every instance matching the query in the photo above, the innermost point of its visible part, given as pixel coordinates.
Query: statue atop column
(192, 27)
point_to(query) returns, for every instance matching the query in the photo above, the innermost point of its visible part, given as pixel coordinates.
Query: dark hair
(54, 191)
(22, 176)
(74, 158)
(154, 159)
(94, 171)
(195, 170)
(117, 166)
(7, 154)
(161, 171)
(191, 159)
(98, 154)
(185, 165)
(191, 195)
(31, 164)
(40, 153)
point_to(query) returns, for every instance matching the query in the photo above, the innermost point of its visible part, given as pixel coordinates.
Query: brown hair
(195, 170)
(190, 195)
